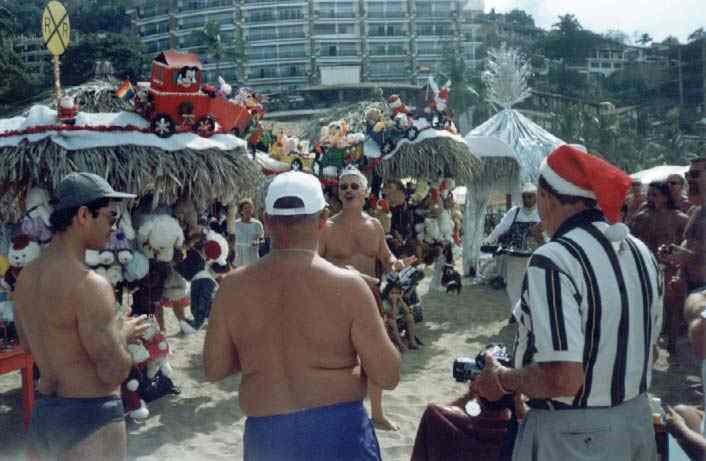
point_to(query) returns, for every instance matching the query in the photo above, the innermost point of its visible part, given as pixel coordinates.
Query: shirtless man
(66, 317)
(690, 256)
(304, 333)
(354, 239)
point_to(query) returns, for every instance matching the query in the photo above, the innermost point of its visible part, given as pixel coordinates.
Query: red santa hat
(571, 171)
(212, 250)
(394, 101)
(444, 93)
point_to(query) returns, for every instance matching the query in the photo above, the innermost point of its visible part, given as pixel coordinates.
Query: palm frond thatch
(433, 159)
(204, 175)
(92, 96)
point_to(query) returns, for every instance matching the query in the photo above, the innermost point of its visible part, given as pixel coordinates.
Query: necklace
(294, 250)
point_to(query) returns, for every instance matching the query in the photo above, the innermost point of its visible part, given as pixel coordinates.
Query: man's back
(298, 324)
(48, 298)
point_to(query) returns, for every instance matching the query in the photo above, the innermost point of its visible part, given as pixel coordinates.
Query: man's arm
(502, 226)
(692, 442)
(389, 261)
(220, 357)
(544, 380)
(103, 333)
(378, 356)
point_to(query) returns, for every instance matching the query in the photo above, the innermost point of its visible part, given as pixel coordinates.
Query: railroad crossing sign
(55, 28)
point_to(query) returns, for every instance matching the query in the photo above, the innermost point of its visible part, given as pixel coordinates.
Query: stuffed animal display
(158, 236)
(22, 251)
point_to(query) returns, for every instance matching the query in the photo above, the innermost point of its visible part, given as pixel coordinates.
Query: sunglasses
(112, 215)
(692, 174)
(674, 183)
(353, 186)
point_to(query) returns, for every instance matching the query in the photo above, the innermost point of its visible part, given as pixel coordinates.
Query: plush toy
(92, 258)
(158, 348)
(397, 106)
(114, 274)
(382, 213)
(224, 89)
(106, 257)
(22, 252)
(134, 405)
(432, 232)
(375, 124)
(36, 223)
(137, 268)
(446, 225)
(159, 235)
(421, 191)
(121, 239)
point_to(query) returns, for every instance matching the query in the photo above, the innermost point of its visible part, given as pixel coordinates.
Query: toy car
(177, 101)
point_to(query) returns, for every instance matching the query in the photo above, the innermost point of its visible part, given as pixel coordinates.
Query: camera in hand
(467, 369)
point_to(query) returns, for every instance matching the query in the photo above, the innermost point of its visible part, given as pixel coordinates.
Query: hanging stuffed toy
(158, 236)
(22, 251)
(35, 223)
(135, 407)
(158, 348)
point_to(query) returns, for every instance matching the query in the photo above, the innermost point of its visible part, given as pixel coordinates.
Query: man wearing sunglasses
(356, 240)
(66, 318)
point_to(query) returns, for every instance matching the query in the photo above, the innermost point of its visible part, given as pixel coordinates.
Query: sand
(204, 422)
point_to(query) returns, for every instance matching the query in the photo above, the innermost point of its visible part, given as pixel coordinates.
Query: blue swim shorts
(341, 432)
(60, 423)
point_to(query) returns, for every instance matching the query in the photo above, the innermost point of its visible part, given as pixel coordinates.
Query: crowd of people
(593, 271)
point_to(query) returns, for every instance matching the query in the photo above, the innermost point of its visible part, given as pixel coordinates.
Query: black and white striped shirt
(585, 299)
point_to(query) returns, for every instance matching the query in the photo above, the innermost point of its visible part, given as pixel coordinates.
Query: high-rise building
(294, 44)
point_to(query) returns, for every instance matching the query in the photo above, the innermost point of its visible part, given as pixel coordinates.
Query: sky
(657, 18)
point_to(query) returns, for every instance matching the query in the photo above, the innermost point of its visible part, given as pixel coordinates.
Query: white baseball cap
(303, 191)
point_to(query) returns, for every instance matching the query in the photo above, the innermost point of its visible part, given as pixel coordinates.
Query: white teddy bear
(159, 235)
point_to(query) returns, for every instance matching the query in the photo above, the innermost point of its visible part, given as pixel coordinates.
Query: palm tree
(567, 25)
(210, 38)
(644, 39)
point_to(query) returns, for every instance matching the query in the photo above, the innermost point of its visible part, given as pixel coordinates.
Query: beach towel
(341, 432)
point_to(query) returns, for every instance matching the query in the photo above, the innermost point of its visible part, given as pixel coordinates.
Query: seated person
(393, 303)
(686, 423)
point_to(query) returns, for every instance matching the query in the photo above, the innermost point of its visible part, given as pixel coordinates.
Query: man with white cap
(588, 321)
(519, 233)
(66, 318)
(304, 333)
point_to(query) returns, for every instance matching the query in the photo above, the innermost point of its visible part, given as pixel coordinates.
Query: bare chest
(346, 241)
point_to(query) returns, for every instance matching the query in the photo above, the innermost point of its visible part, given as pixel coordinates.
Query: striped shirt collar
(580, 219)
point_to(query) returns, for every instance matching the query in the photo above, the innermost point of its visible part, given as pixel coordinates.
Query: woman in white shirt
(248, 234)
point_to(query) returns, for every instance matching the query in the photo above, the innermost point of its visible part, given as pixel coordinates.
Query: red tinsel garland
(98, 128)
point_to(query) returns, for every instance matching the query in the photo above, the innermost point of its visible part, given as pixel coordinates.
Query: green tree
(210, 39)
(237, 53)
(644, 39)
(15, 85)
(698, 34)
(462, 95)
(123, 51)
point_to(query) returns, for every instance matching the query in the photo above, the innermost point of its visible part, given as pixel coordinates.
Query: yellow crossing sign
(55, 28)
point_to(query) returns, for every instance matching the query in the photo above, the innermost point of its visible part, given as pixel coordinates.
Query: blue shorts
(59, 424)
(341, 432)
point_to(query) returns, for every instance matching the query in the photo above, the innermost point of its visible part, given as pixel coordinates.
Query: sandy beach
(205, 422)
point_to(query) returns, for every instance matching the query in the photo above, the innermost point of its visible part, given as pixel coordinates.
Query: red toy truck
(177, 101)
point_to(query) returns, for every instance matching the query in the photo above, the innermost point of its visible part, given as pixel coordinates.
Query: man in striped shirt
(588, 319)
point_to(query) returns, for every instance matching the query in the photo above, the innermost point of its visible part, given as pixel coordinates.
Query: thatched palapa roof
(206, 170)
(434, 155)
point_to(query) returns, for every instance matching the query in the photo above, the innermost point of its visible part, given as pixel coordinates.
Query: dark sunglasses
(692, 174)
(675, 183)
(528, 196)
(353, 186)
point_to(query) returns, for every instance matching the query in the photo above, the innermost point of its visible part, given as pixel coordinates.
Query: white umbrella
(658, 173)
(500, 174)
